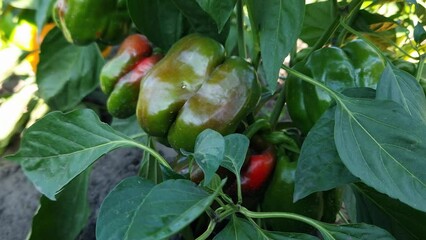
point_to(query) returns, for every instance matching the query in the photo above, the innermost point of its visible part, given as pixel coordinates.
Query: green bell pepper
(194, 88)
(356, 64)
(120, 77)
(279, 198)
(86, 21)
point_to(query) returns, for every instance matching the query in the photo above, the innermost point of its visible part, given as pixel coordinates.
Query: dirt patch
(19, 199)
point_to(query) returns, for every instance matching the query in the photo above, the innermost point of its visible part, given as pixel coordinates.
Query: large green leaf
(399, 219)
(318, 17)
(65, 218)
(319, 167)
(279, 23)
(118, 209)
(159, 20)
(130, 127)
(236, 146)
(199, 20)
(66, 72)
(220, 11)
(384, 146)
(355, 232)
(239, 228)
(60, 146)
(401, 87)
(151, 212)
(208, 152)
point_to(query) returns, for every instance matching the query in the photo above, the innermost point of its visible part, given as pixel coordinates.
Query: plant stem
(333, 94)
(255, 127)
(255, 34)
(353, 7)
(359, 35)
(420, 68)
(155, 154)
(292, 216)
(208, 231)
(240, 26)
(239, 191)
(327, 34)
(278, 108)
(342, 216)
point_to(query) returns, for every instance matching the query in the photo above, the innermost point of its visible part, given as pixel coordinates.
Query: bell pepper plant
(257, 119)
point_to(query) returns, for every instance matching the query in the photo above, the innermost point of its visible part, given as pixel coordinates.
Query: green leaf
(419, 33)
(209, 152)
(65, 218)
(117, 211)
(236, 146)
(318, 17)
(130, 127)
(155, 213)
(384, 146)
(319, 167)
(401, 87)
(356, 232)
(279, 23)
(289, 236)
(66, 72)
(220, 11)
(200, 21)
(399, 219)
(159, 20)
(60, 146)
(44, 9)
(239, 228)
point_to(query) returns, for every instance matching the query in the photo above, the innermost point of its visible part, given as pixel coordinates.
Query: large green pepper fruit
(279, 198)
(86, 21)
(192, 89)
(121, 76)
(220, 104)
(356, 64)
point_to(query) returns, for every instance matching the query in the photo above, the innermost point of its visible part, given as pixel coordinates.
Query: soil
(19, 198)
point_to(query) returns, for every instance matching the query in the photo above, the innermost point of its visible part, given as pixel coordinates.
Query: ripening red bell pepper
(257, 171)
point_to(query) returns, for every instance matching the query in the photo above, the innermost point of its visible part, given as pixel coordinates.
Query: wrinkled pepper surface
(86, 21)
(356, 64)
(194, 87)
(279, 198)
(120, 77)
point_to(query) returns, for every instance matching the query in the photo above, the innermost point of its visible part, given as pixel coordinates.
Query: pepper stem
(292, 216)
(155, 154)
(240, 26)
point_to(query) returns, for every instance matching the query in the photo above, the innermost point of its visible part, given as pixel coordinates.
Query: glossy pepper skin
(279, 198)
(175, 79)
(259, 169)
(356, 64)
(192, 89)
(86, 21)
(221, 103)
(120, 77)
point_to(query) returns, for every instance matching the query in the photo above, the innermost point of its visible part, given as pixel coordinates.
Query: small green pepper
(279, 198)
